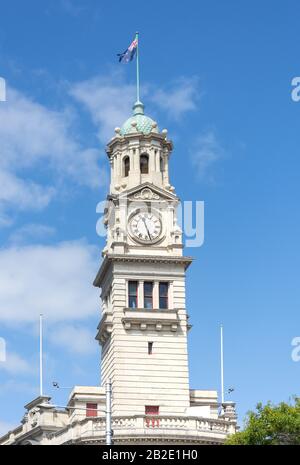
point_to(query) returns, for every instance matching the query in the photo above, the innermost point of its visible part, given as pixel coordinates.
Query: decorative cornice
(123, 140)
(115, 258)
(162, 193)
(37, 401)
(104, 328)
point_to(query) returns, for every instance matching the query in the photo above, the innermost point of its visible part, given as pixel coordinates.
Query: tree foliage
(270, 425)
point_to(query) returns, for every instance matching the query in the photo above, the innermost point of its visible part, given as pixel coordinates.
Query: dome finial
(138, 108)
(142, 123)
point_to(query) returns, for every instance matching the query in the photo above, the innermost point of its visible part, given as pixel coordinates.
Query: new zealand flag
(129, 53)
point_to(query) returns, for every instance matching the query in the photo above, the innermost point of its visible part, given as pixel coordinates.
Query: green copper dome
(139, 122)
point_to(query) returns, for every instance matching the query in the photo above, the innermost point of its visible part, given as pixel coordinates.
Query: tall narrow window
(91, 410)
(132, 294)
(163, 295)
(150, 348)
(161, 164)
(144, 163)
(148, 294)
(126, 166)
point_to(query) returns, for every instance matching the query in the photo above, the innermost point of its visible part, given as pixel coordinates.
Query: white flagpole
(222, 367)
(41, 354)
(137, 70)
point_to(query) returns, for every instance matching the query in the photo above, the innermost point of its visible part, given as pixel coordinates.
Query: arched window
(161, 160)
(126, 166)
(144, 163)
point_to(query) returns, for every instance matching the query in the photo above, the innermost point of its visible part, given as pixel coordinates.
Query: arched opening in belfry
(144, 163)
(162, 165)
(126, 166)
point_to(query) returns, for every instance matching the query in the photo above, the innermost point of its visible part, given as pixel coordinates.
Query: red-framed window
(151, 410)
(163, 295)
(132, 294)
(148, 294)
(91, 409)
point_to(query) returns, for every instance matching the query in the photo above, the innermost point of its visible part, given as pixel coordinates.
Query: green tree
(270, 425)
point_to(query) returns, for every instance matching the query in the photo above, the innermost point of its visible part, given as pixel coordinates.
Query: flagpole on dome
(137, 69)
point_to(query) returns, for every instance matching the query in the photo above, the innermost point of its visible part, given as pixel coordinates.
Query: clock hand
(146, 228)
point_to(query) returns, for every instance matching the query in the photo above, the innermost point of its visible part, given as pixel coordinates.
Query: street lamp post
(107, 411)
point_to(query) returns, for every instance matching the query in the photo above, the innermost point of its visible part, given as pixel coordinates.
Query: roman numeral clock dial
(145, 227)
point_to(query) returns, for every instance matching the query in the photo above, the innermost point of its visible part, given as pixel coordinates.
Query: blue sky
(218, 76)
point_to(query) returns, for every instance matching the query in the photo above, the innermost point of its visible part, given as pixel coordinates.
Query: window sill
(155, 319)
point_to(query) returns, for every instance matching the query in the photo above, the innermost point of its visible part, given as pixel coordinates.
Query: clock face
(145, 227)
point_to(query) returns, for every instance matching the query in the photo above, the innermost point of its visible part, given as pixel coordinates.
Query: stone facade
(144, 322)
(46, 425)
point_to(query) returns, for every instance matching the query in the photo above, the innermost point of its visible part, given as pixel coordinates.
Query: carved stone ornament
(146, 194)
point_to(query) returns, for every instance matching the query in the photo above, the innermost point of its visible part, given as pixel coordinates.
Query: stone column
(141, 294)
(158, 153)
(170, 296)
(119, 167)
(136, 163)
(166, 168)
(136, 159)
(112, 173)
(131, 160)
(151, 160)
(155, 295)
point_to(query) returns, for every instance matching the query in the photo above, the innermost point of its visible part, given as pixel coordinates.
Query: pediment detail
(148, 192)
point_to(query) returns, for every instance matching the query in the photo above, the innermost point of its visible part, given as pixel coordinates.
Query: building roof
(139, 122)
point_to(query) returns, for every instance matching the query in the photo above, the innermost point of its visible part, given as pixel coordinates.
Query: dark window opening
(144, 163)
(151, 410)
(132, 294)
(91, 410)
(150, 348)
(126, 165)
(163, 295)
(161, 164)
(148, 294)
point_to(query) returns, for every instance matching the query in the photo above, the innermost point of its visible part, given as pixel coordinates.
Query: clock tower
(144, 324)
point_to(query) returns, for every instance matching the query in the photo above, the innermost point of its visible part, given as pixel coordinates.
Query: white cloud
(29, 232)
(180, 97)
(24, 195)
(35, 137)
(54, 280)
(206, 152)
(74, 338)
(108, 99)
(15, 364)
